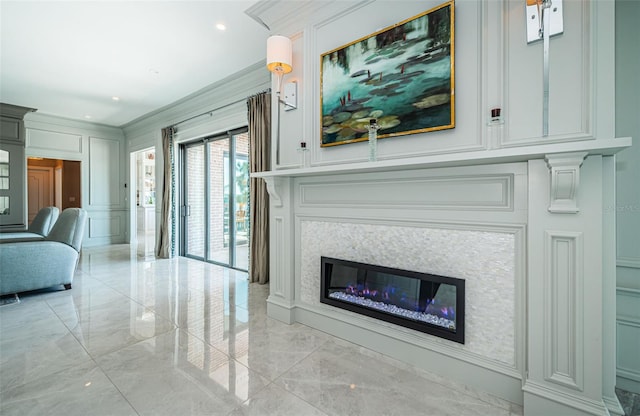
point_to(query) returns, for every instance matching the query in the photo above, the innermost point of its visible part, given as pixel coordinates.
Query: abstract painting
(403, 76)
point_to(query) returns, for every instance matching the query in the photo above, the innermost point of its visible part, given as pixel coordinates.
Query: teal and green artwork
(403, 76)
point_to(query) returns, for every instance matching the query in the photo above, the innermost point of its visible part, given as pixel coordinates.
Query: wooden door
(39, 189)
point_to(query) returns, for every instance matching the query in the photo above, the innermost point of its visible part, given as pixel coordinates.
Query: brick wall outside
(218, 149)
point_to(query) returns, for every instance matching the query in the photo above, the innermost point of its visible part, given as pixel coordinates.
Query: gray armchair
(31, 265)
(38, 229)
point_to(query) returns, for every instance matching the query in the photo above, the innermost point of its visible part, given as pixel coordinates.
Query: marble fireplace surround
(527, 229)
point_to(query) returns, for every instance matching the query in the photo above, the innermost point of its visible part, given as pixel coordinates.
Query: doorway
(144, 188)
(215, 199)
(52, 182)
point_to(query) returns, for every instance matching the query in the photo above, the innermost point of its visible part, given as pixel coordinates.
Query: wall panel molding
(105, 159)
(628, 334)
(278, 276)
(104, 226)
(627, 339)
(563, 315)
(571, 80)
(480, 192)
(630, 262)
(52, 140)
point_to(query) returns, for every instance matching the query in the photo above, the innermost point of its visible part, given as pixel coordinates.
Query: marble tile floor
(181, 337)
(629, 401)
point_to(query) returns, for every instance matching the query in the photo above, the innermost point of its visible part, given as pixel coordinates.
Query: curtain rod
(210, 112)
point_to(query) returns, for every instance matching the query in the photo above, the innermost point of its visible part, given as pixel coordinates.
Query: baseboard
(544, 401)
(279, 310)
(479, 378)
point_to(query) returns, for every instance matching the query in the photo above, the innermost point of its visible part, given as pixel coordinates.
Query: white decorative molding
(627, 301)
(461, 192)
(563, 314)
(571, 401)
(628, 338)
(277, 14)
(613, 405)
(277, 277)
(628, 334)
(52, 140)
(565, 181)
(473, 158)
(272, 187)
(630, 262)
(105, 226)
(104, 177)
(572, 113)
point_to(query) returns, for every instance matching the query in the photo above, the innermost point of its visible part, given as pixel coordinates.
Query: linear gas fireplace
(421, 301)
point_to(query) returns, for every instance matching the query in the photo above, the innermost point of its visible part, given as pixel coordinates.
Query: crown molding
(291, 16)
(15, 111)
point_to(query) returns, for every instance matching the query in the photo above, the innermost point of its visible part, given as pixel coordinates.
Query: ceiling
(71, 58)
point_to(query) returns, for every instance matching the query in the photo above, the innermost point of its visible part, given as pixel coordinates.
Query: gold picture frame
(403, 76)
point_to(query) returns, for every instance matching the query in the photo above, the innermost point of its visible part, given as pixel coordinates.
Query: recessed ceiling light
(221, 26)
(114, 98)
(87, 116)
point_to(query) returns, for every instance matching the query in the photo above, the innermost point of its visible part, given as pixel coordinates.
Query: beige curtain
(259, 107)
(164, 244)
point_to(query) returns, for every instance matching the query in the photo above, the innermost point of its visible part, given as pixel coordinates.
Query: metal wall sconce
(279, 60)
(544, 19)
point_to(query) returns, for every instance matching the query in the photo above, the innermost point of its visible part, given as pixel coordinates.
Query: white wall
(628, 193)
(100, 151)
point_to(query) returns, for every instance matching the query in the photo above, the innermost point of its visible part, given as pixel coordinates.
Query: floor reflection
(175, 336)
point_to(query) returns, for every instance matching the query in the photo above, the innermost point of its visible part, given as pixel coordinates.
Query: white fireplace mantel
(544, 206)
(605, 147)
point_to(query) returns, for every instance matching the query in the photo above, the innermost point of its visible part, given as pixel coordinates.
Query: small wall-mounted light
(544, 19)
(279, 60)
(536, 12)
(279, 54)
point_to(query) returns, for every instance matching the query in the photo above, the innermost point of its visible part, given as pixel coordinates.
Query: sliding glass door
(215, 205)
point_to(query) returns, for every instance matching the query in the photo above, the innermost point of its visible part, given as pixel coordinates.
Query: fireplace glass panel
(421, 301)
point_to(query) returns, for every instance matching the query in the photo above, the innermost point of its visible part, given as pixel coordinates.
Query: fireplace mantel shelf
(483, 157)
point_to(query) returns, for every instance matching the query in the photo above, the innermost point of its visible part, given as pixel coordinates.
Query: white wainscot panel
(104, 183)
(480, 192)
(278, 230)
(569, 79)
(628, 339)
(628, 343)
(107, 226)
(563, 323)
(51, 140)
(486, 260)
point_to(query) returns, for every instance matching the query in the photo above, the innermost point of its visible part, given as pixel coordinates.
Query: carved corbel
(565, 181)
(272, 187)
